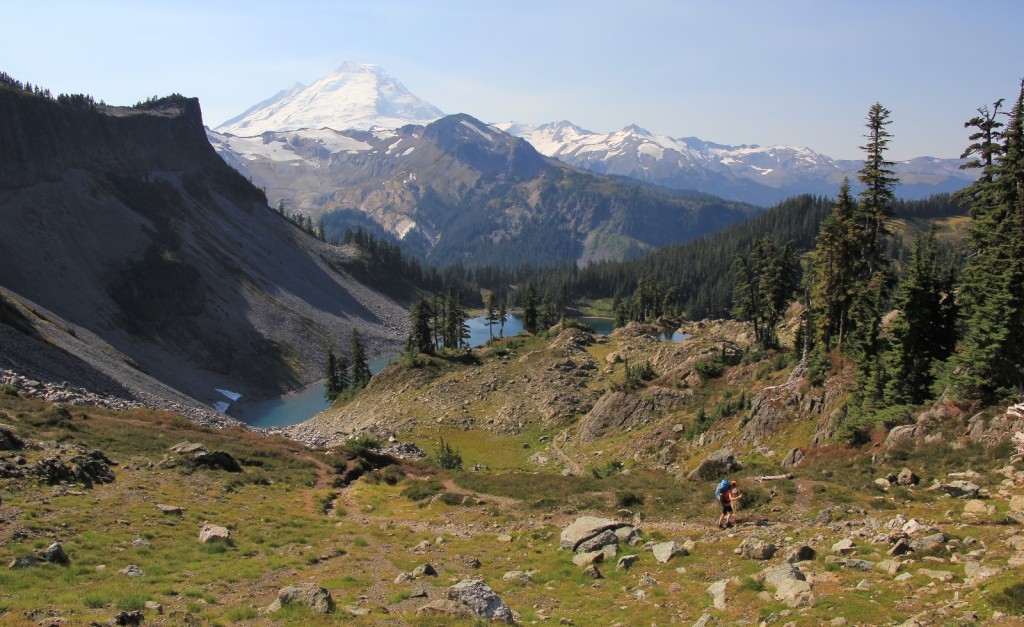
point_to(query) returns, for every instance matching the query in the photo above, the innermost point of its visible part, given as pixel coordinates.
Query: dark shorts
(726, 508)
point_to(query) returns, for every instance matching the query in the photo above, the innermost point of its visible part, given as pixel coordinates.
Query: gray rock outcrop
(9, 441)
(480, 599)
(790, 584)
(214, 533)
(664, 551)
(716, 465)
(586, 528)
(756, 548)
(310, 595)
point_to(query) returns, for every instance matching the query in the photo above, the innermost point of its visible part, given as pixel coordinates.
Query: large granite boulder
(586, 527)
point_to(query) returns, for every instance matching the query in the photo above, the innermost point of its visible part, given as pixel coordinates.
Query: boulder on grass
(480, 599)
(214, 533)
(310, 595)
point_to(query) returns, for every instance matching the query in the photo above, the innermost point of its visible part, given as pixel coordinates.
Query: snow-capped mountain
(355, 96)
(751, 173)
(458, 190)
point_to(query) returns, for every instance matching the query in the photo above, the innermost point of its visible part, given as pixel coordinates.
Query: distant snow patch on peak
(474, 127)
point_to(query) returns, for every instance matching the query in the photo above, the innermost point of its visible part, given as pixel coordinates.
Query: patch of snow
(221, 406)
(333, 141)
(472, 126)
(408, 151)
(651, 150)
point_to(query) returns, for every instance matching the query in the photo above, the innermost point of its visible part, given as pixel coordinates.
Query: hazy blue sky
(785, 72)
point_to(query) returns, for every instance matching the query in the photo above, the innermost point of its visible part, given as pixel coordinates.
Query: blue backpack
(722, 485)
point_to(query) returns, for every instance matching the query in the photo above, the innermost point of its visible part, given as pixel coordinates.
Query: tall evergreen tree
(502, 318)
(765, 281)
(879, 180)
(836, 268)
(490, 314)
(871, 294)
(331, 390)
(421, 336)
(923, 333)
(455, 330)
(439, 317)
(360, 371)
(989, 363)
(530, 309)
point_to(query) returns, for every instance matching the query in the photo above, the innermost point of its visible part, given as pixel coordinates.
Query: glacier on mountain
(355, 96)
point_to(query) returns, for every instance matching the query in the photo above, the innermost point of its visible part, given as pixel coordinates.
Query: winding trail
(560, 454)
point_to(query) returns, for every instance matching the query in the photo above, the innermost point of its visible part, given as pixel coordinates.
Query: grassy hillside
(353, 521)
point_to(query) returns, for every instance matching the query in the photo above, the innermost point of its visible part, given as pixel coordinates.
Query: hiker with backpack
(727, 492)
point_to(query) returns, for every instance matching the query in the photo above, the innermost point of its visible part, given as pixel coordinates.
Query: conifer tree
(871, 290)
(421, 337)
(530, 321)
(879, 184)
(765, 281)
(490, 314)
(439, 317)
(502, 318)
(455, 330)
(989, 363)
(331, 390)
(923, 333)
(341, 379)
(360, 371)
(836, 267)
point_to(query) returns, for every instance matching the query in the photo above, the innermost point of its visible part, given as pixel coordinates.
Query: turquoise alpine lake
(292, 409)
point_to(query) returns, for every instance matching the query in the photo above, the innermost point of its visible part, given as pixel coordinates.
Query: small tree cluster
(438, 323)
(346, 375)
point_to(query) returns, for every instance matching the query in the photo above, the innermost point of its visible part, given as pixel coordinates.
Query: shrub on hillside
(421, 490)
(628, 498)
(709, 368)
(364, 442)
(447, 457)
(1010, 599)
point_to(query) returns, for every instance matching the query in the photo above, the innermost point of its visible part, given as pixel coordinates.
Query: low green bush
(421, 490)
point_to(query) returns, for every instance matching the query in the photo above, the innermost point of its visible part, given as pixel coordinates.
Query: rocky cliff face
(126, 223)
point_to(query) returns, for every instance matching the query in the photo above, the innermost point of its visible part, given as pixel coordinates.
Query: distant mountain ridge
(458, 190)
(758, 174)
(364, 97)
